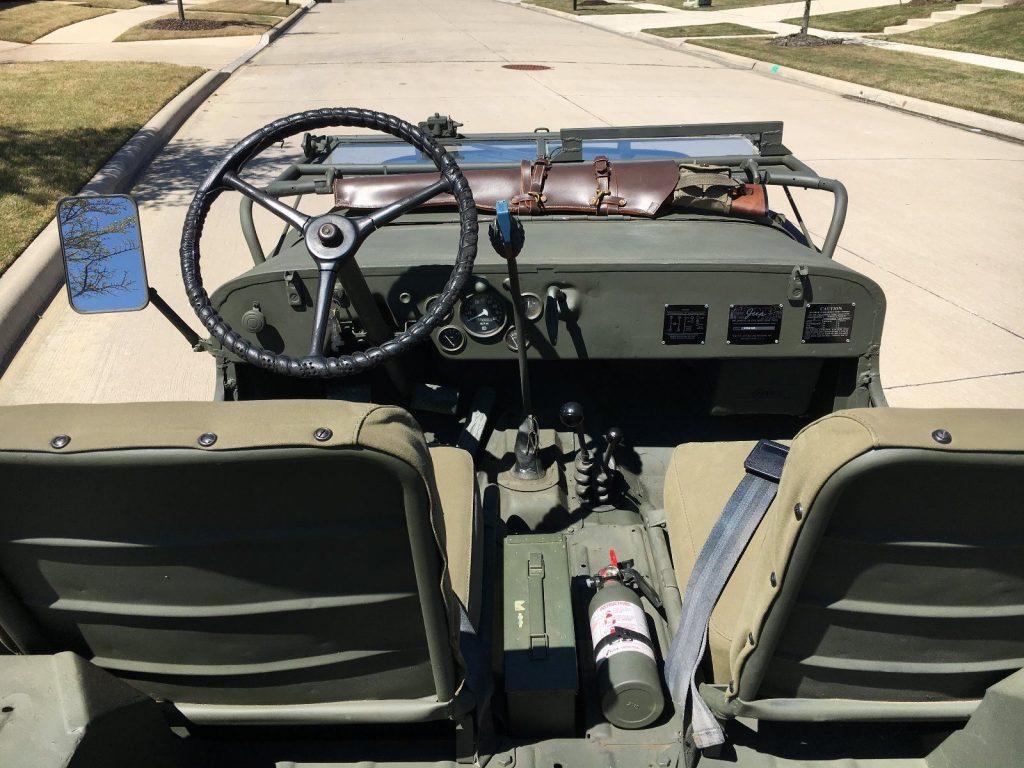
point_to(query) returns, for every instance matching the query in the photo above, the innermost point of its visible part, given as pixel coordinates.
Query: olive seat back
(261, 561)
(886, 580)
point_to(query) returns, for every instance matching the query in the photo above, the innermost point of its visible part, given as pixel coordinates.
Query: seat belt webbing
(718, 557)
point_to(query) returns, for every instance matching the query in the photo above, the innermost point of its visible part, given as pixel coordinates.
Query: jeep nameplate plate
(755, 323)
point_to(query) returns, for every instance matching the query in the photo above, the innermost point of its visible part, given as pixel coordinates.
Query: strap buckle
(767, 460)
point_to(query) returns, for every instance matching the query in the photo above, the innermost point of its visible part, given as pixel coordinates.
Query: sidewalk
(754, 16)
(93, 40)
(769, 19)
(980, 60)
(105, 29)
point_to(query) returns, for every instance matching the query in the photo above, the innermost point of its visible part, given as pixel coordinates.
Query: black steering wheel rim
(322, 366)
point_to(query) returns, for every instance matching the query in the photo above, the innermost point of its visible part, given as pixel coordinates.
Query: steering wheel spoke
(295, 218)
(326, 278)
(367, 224)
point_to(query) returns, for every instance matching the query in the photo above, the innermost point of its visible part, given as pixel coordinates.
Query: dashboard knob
(254, 319)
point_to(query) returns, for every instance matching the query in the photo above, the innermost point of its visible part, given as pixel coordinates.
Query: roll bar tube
(808, 181)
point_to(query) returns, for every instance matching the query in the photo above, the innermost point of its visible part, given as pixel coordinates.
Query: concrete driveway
(932, 218)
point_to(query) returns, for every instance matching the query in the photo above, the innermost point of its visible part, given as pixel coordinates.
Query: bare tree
(88, 257)
(803, 25)
(181, 11)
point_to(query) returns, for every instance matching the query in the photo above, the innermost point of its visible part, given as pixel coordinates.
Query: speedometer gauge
(483, 315)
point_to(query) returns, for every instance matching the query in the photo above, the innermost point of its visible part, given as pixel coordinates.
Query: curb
(31, 282)
(270, 36)
(965, 119)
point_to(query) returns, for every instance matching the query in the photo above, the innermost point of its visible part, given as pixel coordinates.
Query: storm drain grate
(525, 67)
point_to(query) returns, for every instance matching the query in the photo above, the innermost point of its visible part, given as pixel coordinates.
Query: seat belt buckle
(767, 460)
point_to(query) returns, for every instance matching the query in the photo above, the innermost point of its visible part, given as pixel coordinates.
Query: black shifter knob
(571, 415)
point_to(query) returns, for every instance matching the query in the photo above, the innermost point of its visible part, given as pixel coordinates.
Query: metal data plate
(755, 323)
(828, 323)
(685, 324)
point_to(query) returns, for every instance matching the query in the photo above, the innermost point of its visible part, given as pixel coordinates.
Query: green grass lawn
(718, 5)
(998, 32)
(50, 147)
(585, 8)
(872, 19)
(242, 24)
(705, 30)
(256, 7)
(117, 5)
(25, 22)
(981, 89)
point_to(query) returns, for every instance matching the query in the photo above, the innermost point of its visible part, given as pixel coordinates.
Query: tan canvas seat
(285, 560)
(887, 577)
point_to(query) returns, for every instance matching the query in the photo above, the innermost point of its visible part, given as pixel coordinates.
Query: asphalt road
(935, 213)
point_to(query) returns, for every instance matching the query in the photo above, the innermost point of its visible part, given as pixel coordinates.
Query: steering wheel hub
(332, 238)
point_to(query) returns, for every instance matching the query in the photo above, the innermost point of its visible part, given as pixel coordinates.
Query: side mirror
(101, 241)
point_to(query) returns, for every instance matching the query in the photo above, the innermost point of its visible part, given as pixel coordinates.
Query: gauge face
(451, 339)
(483, 314)
(533, 307)
(512, 340)
(429, 305)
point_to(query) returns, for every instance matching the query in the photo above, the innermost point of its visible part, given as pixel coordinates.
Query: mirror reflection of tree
(95, 231)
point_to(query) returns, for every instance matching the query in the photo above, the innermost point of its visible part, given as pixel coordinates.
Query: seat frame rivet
(60, 441)
(750, 637)
(207, 439)
(322, 434)
(942, 436)
(773, 579)
(798, 510)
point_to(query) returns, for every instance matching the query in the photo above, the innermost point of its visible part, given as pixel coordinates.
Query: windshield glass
(515, 150)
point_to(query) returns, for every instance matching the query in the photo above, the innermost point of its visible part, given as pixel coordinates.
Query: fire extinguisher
(628, 682)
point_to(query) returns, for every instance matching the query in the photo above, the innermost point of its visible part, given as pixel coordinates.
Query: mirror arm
(174, 318)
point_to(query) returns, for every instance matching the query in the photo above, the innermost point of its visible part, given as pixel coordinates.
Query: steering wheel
(332, 240)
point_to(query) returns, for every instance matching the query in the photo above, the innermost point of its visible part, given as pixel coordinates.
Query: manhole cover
(525, 67)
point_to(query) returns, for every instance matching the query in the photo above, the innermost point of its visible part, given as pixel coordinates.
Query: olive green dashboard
(692, 288)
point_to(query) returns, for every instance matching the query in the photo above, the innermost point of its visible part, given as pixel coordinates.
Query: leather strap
(531, 197)
(603, 189)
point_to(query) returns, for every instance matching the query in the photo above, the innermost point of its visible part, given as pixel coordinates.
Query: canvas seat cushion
(701, 478)
(456, 490)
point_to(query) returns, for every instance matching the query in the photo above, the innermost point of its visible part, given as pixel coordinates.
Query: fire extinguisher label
(615, 615)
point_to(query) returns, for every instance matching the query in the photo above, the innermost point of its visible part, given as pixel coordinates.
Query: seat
(886, 580)
(277, 561)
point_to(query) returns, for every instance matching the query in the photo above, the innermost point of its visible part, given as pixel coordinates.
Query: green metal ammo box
(541, 677)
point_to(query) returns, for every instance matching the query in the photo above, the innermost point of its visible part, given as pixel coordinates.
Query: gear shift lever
(508, 237)
(571, 415)
(606, 486)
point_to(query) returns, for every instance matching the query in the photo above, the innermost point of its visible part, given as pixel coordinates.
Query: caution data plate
(828, 323)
